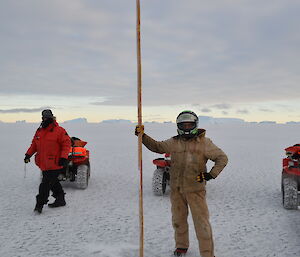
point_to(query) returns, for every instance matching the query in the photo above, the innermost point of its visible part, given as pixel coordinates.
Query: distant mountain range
(212, 120)
(117, 121)
(78, 120)
(202, 120)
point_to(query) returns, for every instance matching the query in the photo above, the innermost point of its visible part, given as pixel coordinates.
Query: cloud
(205, 110)
(236, 51)
(244, 111)
(25, 110)
(265, 110)
(101, 102)
(221, 106)
(96, 103)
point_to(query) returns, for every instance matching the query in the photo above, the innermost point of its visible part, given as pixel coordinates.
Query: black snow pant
(49, 182)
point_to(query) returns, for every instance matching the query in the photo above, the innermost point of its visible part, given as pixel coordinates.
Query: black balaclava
(45, 123)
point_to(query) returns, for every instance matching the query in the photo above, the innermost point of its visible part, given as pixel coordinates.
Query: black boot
(59, 201)
(180, 251)
(38, 208)
(39, 204)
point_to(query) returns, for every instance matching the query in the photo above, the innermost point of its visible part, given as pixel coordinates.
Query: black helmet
(187, 117)
(47, 118)
(47, 113)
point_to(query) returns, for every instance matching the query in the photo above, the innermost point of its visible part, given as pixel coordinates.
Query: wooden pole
(139, 102)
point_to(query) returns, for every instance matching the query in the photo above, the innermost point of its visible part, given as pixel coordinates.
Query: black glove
(63, 162)
(27, 158)
(204, 176)
(139, 129)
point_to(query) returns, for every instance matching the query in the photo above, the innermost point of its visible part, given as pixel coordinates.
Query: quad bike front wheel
(159, 181)
(82, 177)
(289, 193)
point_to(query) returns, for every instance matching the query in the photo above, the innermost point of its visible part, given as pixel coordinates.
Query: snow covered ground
(247, 216)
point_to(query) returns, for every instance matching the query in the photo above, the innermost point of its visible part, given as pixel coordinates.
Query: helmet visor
(186, 117)
(186, 126)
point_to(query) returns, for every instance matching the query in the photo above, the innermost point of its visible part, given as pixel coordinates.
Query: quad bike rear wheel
(290, 192)
(82, 177)
(159, 181)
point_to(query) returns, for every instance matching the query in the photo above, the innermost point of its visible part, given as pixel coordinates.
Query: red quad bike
(290, 180)
(161, 175)
(78, 169)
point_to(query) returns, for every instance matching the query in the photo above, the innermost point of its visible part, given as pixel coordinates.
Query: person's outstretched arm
(151, 144)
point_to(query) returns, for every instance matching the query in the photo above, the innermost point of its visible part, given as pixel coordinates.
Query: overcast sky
(221, 58)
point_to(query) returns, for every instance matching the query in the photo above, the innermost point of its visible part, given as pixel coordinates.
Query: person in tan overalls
(190, 150)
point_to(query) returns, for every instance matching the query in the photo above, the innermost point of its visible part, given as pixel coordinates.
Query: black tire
(289, 193)
(82, 177)
(159, 182)
(88, 164)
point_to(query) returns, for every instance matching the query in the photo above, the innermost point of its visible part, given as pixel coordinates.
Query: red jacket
(50, 144)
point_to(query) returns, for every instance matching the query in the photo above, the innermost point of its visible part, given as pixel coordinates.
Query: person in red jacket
(51, 145)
